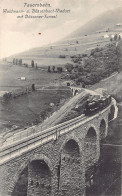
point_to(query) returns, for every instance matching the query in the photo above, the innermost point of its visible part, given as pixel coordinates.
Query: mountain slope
(103, 21)
(87, 37)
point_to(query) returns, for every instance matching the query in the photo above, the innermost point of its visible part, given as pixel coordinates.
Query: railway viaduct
(57, 159)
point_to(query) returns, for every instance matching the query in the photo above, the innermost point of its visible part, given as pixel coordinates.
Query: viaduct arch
(111, 113)
(27, 165)
(90, 146)
(103, 129)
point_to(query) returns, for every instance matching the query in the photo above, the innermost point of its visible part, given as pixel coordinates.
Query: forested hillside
(100, 63)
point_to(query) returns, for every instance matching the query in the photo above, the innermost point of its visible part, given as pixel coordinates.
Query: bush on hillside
(62, 56)
(7, 96)
(69, 67)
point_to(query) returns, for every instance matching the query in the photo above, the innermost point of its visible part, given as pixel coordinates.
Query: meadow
(32, 108)
(10, 74)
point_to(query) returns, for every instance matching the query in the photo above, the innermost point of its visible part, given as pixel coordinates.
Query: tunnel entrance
(39, 178)
(90, 148)
(102, 129)
(70, 169)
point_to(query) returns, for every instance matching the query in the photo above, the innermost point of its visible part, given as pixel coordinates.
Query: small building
(22, 78)
(112, 36)
(106, 36)
(119, 24)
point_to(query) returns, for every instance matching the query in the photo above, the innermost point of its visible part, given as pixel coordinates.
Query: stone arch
(109, 116)
(39, 178)
(25, 165)
(16, 178)
(94, 128)
(91, 131)
(111, 113)
(44, 158)
(70, 168)
(90, 147)
(71, 146)
(102, 129)
(90, 154)
(68, 139)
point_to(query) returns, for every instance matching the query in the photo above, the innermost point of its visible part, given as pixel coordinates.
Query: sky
(20, 34)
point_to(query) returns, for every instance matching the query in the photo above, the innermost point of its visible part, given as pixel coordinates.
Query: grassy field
(10, 74)
(31, 109)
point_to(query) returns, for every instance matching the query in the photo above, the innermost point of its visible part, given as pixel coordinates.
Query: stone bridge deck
(28, 140)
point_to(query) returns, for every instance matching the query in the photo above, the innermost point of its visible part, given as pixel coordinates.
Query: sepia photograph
(60, 97)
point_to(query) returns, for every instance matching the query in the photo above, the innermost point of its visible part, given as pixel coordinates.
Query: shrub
(69, 67)
(14, 61)
(62, 56)
(59, 69)
(33, 87)
(73, 56)
(115, 37)
(119, 37)
(80, 69)
(73, 76)
(111, 39)
(7, 96)
(32, 63)
(53, 68)
(49, 69)
(84, 55)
